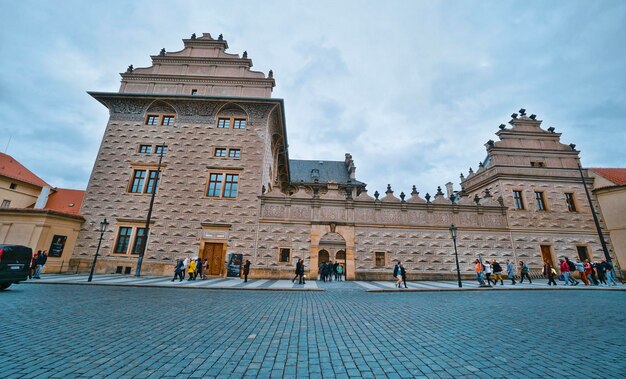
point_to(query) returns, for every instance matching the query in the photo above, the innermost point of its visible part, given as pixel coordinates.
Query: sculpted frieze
(257, 111)
(127, 106)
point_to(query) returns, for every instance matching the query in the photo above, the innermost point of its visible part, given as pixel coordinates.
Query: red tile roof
(65, 200)
(13, 169)
(616, 175)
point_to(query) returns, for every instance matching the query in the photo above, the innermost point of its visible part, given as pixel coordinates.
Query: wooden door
(214, 253)
(546, 255)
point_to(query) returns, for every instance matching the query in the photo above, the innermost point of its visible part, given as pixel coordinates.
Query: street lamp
(453, 230)
(103, 228)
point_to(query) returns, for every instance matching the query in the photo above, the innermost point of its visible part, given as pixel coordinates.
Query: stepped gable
(203, 68)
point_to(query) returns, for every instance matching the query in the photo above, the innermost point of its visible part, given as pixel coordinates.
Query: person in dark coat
(297, 270)
(497, 272)
(178, 270)
(403, 274)
(300, 271)
(246, 271)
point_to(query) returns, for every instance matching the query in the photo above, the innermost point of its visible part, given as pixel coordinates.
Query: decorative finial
(533, 116)
(245, 54)
(490, 143)
(130, 69)
(270, 74)
(414, 191)
(471, 171)
(427, 197)
(376, 194)
(573, 146)
(193, 36)
(502, 126)
(514, 115)
(402, 196)
(522, 112)
(480, 165)
(551, 129)
(462, 177)
(439, 193)
(389, 190)
(220, 37)
(162, 52)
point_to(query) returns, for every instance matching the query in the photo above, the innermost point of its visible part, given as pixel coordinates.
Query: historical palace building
(228, 186)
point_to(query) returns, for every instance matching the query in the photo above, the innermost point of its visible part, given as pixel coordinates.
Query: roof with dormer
(307, 171)
(13, 169)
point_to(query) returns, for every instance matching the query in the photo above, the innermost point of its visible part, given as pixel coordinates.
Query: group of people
(36, 264)
(330, 270)
(590, 273)
(193, 267)
(399, 273)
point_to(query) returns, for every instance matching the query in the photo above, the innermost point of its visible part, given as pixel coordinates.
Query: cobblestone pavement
(68, 331)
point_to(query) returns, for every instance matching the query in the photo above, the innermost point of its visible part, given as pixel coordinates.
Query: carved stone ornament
(332, 227)
(127, 106)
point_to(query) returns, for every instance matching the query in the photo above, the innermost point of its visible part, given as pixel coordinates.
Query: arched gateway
(333, 243)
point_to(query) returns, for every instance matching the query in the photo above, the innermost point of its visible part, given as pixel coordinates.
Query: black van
(14, 264)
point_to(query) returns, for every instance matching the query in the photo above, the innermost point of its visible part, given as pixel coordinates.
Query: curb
(177, 287)
(489, 289)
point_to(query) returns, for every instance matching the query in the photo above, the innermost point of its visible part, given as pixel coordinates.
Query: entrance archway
(324, 256)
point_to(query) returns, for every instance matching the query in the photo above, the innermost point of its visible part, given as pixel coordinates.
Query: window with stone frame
(145, 149)
(123, 240)
(540, 200)
(220, 152)
(140, 238)
(234, 153)
(152, 119)
(379, 259)
(167, 120)
(223, 185)
(5, 204)
(143, 180)
(160, 149)
(284, 255)
(569, 200)
(518, 202)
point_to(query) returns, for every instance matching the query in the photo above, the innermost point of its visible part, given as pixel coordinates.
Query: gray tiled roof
(329, 171)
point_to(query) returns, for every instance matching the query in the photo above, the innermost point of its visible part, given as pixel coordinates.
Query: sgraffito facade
(227, 185)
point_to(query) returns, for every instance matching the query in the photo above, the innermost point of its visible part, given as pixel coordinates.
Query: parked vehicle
(14, 264)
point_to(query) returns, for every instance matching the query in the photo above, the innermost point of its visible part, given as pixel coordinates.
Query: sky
(412, 89)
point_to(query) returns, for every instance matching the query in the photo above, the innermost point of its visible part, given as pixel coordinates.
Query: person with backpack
(510, 270)
(497, 272)
(524, 270)
(580, 267)
(550, 272)
(397, 274)
(572, 269)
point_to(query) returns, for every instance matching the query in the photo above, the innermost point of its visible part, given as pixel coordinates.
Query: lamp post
(453, 230)
(103, 228)
(142, 249)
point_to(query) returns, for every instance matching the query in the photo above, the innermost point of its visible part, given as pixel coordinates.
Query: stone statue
(270, 74)
(130, 69)
(245, 55)
(162, 52)
(220, 37)
(414, 191)
(193, 36)
(376, 194)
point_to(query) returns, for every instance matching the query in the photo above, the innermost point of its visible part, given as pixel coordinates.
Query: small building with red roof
(609, 186)
(37, 215)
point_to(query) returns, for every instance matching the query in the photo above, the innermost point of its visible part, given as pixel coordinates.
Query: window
(234, 153)
(152, 120)
(123, 240)
(139, 177)
(236, 122)
(13, 185)
(140, 235)
(582, 253)
(537, 164)
(220, 152)
(285, 255)
(145, 149)
(139, 183)
(194, 91)
(223, 185)
(5, 203)
(230, 185)
(379, 259)
(517, 200)
(160, 149)
(541, 204)
(223, 123)
(167, 121)
(153, 181)
(239, 123)
(569, 199)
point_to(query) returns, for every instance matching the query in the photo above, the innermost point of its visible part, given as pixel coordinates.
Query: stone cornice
(175, 79)
(157, 59)
(41, 212)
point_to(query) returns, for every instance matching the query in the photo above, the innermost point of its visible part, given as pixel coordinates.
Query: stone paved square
(69, 331)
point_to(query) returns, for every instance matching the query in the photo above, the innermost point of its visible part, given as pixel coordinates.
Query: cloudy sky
(413, 89)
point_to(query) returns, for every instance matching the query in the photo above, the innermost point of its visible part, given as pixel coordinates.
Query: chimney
(43, 198)
(449, 190)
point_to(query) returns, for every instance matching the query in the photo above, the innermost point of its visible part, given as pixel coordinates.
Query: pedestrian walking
(478, 267)
(205, 268)
(497, 272)
(340, 273)
(191, 270)
(301, 273)
(403, 274)
(600, 272)
(178, 270)
(335, 266)
(510, 270)
(246, 271)
(488, 272)
(198, 270)
(397, 274)
(550, 272)
(580, 267)
(33, 264)
(589, 271)
(41, 261)
(524, 270)
(610, 274)
(572, 269)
